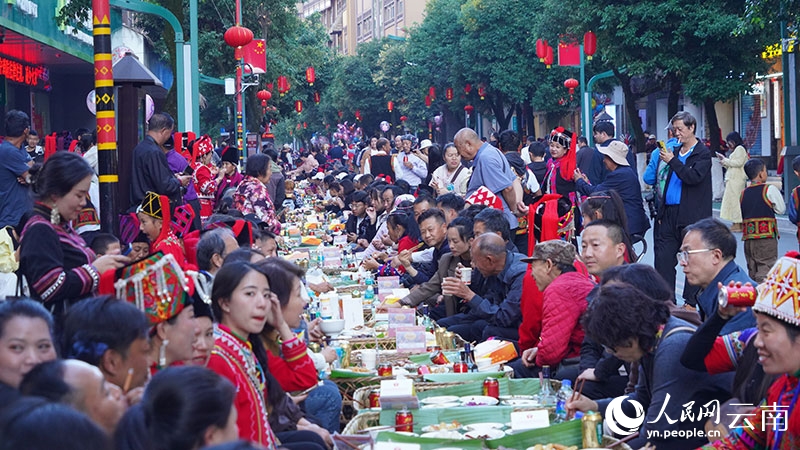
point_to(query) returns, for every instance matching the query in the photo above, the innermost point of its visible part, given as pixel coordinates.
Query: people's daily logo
(619, 422)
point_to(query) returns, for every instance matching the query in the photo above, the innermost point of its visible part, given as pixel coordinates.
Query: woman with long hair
(59, 266)
(735, 180)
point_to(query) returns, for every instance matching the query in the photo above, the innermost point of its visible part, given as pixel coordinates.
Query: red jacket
(295, 371)
(564, 303)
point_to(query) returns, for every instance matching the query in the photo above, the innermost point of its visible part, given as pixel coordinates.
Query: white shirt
(442, 177)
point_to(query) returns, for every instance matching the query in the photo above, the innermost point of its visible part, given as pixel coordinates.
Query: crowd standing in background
(188, 329)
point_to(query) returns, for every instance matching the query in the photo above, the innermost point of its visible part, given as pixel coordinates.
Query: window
(388, 12)
(400, 9)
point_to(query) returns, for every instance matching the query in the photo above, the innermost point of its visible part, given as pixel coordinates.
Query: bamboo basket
(362, 422)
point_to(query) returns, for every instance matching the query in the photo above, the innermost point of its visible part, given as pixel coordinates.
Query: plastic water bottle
(562, 396)
(369, 293)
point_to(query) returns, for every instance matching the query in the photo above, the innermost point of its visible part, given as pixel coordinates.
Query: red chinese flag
(255, 54)
(569, 54)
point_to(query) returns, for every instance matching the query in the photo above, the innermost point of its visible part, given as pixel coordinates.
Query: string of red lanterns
(311, 75)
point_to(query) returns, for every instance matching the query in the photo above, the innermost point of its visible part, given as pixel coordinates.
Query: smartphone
(662, 146)
(188, 170)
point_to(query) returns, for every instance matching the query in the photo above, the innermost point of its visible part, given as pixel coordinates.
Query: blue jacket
(626, 183)
(707, 298)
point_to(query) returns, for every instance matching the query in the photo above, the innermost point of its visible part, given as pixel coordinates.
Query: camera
(650, 198)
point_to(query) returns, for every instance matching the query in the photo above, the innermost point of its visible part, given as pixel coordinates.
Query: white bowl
(332, 327)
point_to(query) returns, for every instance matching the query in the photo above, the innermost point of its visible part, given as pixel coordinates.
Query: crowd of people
(187, 330)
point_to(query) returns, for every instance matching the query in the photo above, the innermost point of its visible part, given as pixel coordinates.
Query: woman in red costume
(154, 221)
(205, 175)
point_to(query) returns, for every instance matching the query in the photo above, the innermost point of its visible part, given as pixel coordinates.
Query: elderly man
(707, 257)
(81, 386)
(564, 301)
(409, 166)
(212, 249)
(687, 195)
(492, 171)
(493, 297)
(150, 170)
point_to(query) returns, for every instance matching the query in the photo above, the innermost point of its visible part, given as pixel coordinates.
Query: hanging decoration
(448, 94)
(237, 37)
(298, 106)
(482, 92)
(390, 105)
(589, 44)
(428, 101)
(432, 93)
(316, 97)
(548, 57)
(468, 109)
(311, 76)
(467, 89)
(571, 84)
(541, 49)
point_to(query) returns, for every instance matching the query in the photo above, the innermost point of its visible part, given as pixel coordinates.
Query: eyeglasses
(683, 256)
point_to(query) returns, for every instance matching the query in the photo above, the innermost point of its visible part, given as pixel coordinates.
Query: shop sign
(28, 7)
(776, 50)
(22, 73)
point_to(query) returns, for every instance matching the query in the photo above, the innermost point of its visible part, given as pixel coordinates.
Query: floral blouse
(251, 197)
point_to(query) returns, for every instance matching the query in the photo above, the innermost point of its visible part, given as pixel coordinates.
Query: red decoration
(482, 91)
(283, 85)
(311, 75)
(541, 49)
(305, 125)
(264, 103)
(403, 118)
(589, 44)
(298, 106)
(340, 113)
(390, 105)
(432, 93)
(468, 109)
(358, 115)
(316, 97)
(448, 94)
(548, 57)
(270, 86)
(264, 95)
(467, 89)
(571, 84)
(428, 101)
(237, 37)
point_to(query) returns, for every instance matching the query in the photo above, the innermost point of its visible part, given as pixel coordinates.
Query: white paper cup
(369, 358)
(466, 275)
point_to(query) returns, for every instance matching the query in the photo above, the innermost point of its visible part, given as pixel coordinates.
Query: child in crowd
(106, 244)
(794, 203)
(760, 202)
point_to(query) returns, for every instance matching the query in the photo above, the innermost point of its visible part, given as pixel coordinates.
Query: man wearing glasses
(707, 258)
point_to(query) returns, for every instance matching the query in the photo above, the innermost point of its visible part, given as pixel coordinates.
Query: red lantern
(283, 85)
(305, 125)
(548, 57)
(237, 37)
(428, 101)
(448, 94)
(468, 109)
(541, 49)
(311, 76)
(571, 84)
(358, 115)
(589, 44)
(298, 106)
(467, 89)
(482, 91)
(316, 97)
(432, 93)
(264, 104)
(390, 105)
(403, 118)
(264, 95)
(340, 114)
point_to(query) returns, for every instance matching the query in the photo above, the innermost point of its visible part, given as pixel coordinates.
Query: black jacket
(695, 178)
(151, 172)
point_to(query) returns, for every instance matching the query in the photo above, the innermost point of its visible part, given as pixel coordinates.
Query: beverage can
(384, 370)
(460, 367)
(404, 421)
(491, 387)
(592, 427)
(737, 295)
(375, 398)
(438, 357)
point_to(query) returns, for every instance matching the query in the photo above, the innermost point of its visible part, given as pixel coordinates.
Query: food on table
(443, 426)
(310, 240)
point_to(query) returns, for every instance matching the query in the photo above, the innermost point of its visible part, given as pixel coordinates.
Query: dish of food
(478, 400)
(442, 426)
(439, 399)
(521, 402)
(487, 433)
(484, 426)
(454, 435)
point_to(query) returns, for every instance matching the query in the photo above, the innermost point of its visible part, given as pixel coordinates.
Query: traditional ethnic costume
(559, 176)
(56, 261)
(231, 155)
(774, 424)
(157, 207)
(204, 176)
(252, 197)
(233, 358)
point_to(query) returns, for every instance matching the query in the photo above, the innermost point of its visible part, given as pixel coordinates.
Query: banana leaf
(453, 377)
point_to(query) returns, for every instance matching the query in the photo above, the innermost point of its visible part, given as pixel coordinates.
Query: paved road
(787, 242)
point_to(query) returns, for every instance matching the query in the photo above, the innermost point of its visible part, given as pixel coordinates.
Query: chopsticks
(622, 441)
(346, 441)
(128, 379)
(576, 394)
